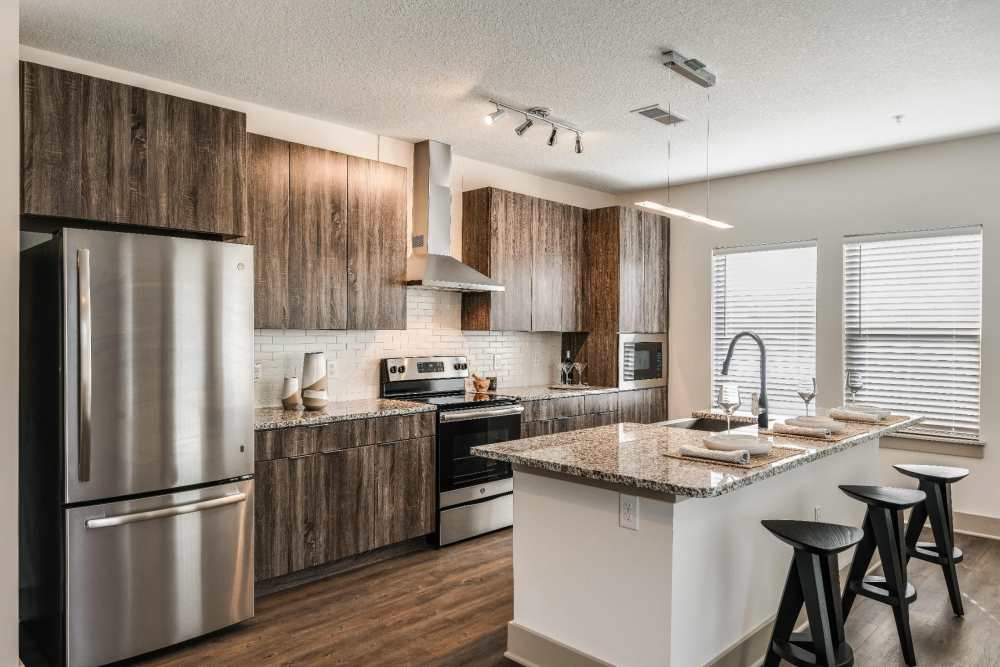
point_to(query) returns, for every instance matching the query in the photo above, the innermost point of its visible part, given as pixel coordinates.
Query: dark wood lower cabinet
(272, 518)
(643, 406)
(404, 490)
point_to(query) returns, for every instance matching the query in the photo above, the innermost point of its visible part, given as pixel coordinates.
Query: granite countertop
(542, 391)
(633, 455)
(266, 419)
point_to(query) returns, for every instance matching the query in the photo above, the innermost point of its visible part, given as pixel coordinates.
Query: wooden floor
(451, 606)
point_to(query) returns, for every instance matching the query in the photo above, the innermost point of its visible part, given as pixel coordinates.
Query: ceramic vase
(291, 398)
(314, 381)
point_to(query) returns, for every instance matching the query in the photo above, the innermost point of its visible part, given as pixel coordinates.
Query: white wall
(938, 185)
(9, 210)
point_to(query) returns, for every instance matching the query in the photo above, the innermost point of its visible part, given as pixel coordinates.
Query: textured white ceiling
(798, 80)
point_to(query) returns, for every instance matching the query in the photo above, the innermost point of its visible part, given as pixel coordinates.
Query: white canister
(314, 372)
(291, 399)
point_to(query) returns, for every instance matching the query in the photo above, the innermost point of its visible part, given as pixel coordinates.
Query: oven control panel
(424, 368)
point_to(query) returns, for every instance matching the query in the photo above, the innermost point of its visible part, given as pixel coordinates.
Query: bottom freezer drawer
(459, 523)
(147, 573)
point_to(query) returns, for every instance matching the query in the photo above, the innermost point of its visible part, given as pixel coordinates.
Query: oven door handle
(480, 413)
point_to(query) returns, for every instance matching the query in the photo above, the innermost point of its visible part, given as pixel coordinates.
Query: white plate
(814, 421)
(731, 442)
(870, 409)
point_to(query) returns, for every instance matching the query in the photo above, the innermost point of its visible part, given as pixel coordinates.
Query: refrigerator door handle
(164, 512)
(86, 379)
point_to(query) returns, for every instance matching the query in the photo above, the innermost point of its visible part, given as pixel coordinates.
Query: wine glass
(579, 366)
(855, 383)
(729, 399)
(567, 368)
(807, 393)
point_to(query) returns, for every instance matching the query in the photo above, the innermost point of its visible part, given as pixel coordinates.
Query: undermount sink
(702, 424)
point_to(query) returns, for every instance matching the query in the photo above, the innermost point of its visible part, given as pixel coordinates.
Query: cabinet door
(511, 222)
(376, 245)
(657, 399)
(547, 266)
(571, 249)
(632, 407)
(404, 490)
(272, 518)
(656, 240)
(317, 239)
(75, 145)
(631, 254)
(195, 164)
(309, 507)
(267, 204)
(348, 502)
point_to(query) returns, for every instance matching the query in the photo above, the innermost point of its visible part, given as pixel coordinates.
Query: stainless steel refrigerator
(136, 442)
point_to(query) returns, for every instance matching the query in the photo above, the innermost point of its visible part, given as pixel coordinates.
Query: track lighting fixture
(523, 127)
(532, 114)
(492, 118)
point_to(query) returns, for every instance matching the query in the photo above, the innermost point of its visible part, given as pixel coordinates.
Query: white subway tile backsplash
(433, 327)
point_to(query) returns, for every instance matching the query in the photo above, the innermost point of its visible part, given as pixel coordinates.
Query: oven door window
(457, 467)
(643, 361)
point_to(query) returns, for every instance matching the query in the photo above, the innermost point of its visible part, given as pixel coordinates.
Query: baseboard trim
(978, 525)
(533, 649)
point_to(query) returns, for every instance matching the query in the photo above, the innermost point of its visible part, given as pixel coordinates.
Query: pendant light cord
(708, 136)
(670, 128)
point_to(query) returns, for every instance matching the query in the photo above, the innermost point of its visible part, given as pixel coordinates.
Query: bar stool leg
(939, 510)
(859, 566)
(918, 515)
(820, 590)
(888, 526)
(788, 613)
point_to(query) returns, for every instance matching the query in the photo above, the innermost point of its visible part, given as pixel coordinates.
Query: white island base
(698, 583)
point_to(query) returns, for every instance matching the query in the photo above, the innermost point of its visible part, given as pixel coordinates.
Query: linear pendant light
(679, 212)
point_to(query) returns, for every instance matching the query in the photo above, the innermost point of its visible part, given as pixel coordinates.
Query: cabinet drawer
(595, 403)
(405, 427)
(286, 443)
(346, 434)
(534, 429)
(552, 408)
(602, 419)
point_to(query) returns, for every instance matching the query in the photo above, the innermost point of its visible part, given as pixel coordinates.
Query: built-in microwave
(642, 360)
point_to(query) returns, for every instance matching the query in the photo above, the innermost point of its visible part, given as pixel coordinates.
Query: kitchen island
(698, 579)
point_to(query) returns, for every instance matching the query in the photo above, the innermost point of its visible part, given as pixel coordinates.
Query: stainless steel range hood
(431, 265)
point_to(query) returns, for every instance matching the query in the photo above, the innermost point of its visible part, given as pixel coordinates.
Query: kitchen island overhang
(699, 578)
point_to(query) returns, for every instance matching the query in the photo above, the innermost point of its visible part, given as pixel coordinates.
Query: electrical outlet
(628, 512)
(817, 513)
(257, 370)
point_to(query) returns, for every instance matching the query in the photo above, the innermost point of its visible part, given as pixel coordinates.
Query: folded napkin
(856, 416)
(736, 456)
(870, 409)
(807, 431)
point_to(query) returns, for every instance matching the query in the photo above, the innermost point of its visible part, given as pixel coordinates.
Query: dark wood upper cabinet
(267, 206)
(317, 238)
(376, 245)
(547, 266)
(571, 235)
(100, 151)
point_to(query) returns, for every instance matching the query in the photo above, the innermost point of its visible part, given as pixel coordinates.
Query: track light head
(552, 136)
(492, 118)
(578, 144)
(523, 127)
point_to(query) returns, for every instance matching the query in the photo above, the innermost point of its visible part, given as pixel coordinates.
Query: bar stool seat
(883, 530)
(936, 482)
(813, 582)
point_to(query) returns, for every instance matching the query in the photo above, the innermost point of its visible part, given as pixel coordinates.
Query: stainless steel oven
(642, 360)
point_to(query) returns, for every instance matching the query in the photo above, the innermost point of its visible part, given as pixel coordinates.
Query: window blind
(772, 292)
(912, 326)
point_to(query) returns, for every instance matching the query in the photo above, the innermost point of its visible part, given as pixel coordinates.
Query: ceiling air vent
(659, 114)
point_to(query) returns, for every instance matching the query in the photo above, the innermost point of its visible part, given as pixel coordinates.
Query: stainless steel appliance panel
(459, 523)
(642, 361)
(147, 573)
(159, 362)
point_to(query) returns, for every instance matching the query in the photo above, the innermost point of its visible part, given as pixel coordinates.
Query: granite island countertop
(634, 455)
(266, 419)
(542, 392)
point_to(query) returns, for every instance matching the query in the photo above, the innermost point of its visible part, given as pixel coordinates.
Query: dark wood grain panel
(317, 238)
(376, 245)
(267, 204)
(593, 403)
(571, 253)
(511, 221)
(536, 428)
(476, 247)
(272, 518)
(300, 441)
(309, 504)
(631, 257)
(547, 227)
(405, 427)
(267, 445)
(630, 406)
(348, 522)
(404, 490)
(570, 406)
(657, 400)
(601, 270)
(346, 434)
(656, 244)
(602, 419)
(537, 410)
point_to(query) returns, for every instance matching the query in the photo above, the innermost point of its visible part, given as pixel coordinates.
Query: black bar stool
(883, 529)
(936, 482)
(813, 581)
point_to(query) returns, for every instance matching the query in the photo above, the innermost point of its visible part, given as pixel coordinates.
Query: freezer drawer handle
(86, 380)
(122, 519)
